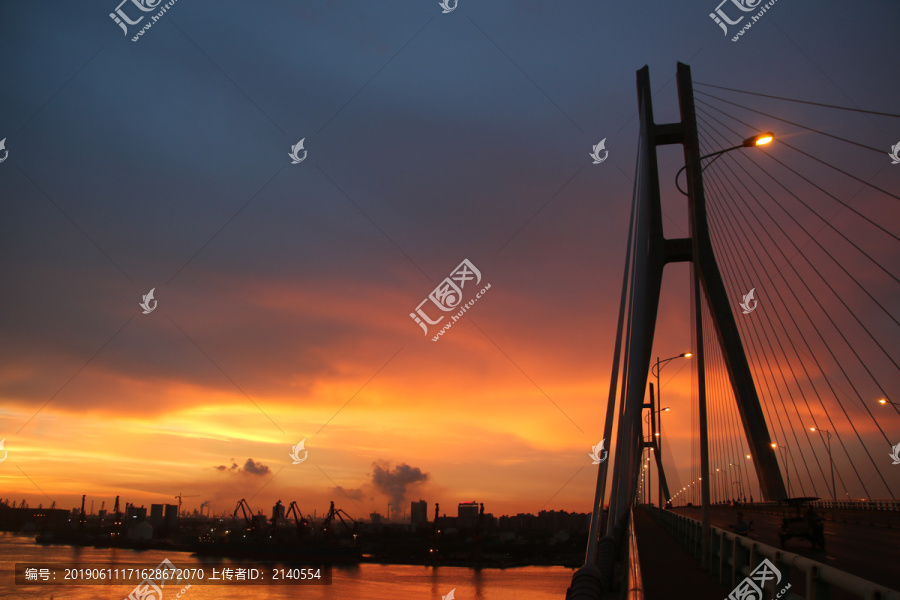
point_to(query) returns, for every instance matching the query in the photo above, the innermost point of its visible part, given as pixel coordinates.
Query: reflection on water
(350, 582)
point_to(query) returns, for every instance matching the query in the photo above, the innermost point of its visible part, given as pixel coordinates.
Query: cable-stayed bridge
(794, 253)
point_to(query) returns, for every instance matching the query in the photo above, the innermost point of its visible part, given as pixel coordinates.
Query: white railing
(732, 557)
(873, 505)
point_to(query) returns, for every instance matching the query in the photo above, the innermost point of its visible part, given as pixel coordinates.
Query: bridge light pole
(787, 469)
(741, 478)
(885, 402)
(757, 140)
(830, 459)
(656, 370)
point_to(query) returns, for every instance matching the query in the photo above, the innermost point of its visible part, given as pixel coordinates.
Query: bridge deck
(669, 571)
(868, 551)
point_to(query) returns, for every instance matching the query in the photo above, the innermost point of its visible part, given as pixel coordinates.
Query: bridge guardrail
(873, 505)
(635, 581)
(733, 557)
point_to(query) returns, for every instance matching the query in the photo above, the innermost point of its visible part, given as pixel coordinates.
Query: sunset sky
(284, 290)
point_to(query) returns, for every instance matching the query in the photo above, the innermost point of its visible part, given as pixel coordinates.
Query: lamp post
(757, 140)
(740, 493)
(647, 420)
(717, 484)
(830, 459)
(656, 369)
(649, 450)
(741, 478)
(787, 469)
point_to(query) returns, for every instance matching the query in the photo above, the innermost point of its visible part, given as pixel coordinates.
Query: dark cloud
(395, 482)
(251, 466)
(256, 468)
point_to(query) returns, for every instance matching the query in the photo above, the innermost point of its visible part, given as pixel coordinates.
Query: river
(359, 582)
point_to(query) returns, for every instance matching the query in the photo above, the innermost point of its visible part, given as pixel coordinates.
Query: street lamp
(831, 460)
(741, 478)
(647, 420)
(740, 492)
(655, 370)
(787, 469)
(757, 140)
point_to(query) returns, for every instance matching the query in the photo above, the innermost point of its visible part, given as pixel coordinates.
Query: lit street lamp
(831, 460)
(741, 478)
(655, 370)
(757, 140)
(787, 469)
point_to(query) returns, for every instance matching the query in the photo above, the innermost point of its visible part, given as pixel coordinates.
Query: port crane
(301, 521)
(340, 514)
(248, 513)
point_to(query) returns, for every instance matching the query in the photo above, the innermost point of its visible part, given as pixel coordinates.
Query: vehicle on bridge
(806, 524)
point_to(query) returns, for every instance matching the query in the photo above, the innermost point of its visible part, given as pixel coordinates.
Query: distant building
(467, 514)
(375, 518)
(133, 513)
(156, 515)
(546, 521)
(278, 513)
(171, 518)
(418, 512)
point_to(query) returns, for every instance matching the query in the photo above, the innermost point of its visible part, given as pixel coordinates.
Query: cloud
(233, 467)
(257, 468)
(394, 483)
(251, 466)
